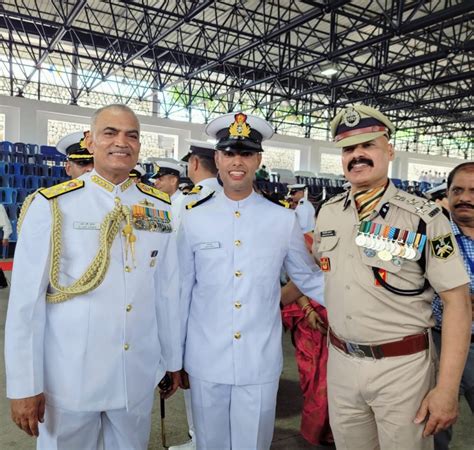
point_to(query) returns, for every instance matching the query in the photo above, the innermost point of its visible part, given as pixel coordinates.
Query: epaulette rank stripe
(153, 192)
(195, 190)
(199, 202)
(423, 208)
(61, 188)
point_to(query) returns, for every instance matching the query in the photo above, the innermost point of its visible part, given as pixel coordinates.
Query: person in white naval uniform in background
(166, 179)
(78, 158)
(94, 295)
(5, 233)
(305, 212)
(231, 248)
(202, 171)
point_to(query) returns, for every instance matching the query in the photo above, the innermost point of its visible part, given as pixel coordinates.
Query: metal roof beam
(68, 21)
(291, 25)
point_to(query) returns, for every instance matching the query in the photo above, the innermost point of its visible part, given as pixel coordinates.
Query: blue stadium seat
(18, 168)
(58, 171)
(19, 147)
(38, 158)
(21, 194)
(7, 195)
(6, 146)
(32, 182)
(19, 181)
(44, 170)
(12, 210)
(14, 235)
(7, 181)
(5, 168)
(30, 169)
(397, 182)
(32, 149)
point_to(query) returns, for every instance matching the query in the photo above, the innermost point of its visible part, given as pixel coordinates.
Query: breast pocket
(211, 264)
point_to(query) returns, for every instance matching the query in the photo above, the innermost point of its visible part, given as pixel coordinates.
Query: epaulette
(195, 190)
(278, 202)
(337, 198)
(61, 188)
(423, 208)
(153, 192)
(200, 202)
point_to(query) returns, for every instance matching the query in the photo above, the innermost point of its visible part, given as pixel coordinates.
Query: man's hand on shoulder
(439, 409)
(27, 412)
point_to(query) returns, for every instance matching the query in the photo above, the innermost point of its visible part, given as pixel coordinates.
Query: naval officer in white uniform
(305, 212)
(231, 248)
(202, 171)
(166, 179)
(94, 295)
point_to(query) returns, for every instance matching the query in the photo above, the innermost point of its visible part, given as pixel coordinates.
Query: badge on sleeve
(442, 247)
(383, 275)
(325, 264)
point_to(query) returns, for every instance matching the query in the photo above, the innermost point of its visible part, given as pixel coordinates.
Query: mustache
(355, 161)
(464, 205)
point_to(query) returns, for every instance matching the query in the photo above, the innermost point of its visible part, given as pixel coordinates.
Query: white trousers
(233, 417)
(189, 412)
(108, 430)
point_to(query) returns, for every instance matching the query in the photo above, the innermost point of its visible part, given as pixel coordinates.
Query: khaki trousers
(372, 403)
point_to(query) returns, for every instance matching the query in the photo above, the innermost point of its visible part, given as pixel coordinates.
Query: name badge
(209, 245)
(86, 226)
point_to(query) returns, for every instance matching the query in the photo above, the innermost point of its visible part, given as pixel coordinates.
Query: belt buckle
(354, 350)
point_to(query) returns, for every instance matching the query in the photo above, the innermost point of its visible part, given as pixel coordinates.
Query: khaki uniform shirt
(361, 311)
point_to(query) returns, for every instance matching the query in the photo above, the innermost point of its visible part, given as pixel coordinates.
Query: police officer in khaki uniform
(383, 252)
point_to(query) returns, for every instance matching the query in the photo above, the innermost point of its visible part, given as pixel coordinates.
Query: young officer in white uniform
(166, 179)
(231, 248)
(304, 210)
(89, 330)
(202, 171)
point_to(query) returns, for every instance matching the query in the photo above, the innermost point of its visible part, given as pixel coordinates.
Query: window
(276, 157)
(430, 173)
(330, 164)
(158, 145)
(57, 129)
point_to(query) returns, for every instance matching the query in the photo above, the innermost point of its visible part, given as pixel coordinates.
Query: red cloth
(311, 358)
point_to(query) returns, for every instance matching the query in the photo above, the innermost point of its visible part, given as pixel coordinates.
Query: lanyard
(464, 253)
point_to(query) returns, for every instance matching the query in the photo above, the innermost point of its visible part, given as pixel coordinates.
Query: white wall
(26, 121)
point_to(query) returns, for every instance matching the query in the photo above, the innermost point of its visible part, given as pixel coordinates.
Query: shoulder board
(200, 202)
(153, 192)
(301, 202)
(61, 188)
(337, 198)
(283, 203)
(425, 209)
(195, 190)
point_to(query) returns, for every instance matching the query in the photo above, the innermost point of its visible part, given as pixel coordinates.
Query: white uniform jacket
(108, 348)
(5, 224)
(177, 204)
(230, 254)
(306, 215)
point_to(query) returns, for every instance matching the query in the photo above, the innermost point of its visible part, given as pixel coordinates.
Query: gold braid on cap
(94, 274)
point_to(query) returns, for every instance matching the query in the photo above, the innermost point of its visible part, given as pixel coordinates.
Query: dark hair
(207, 163)
(460, 168)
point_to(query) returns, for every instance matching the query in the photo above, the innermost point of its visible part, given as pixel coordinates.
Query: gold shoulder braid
(94, 274)
(24, 208)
